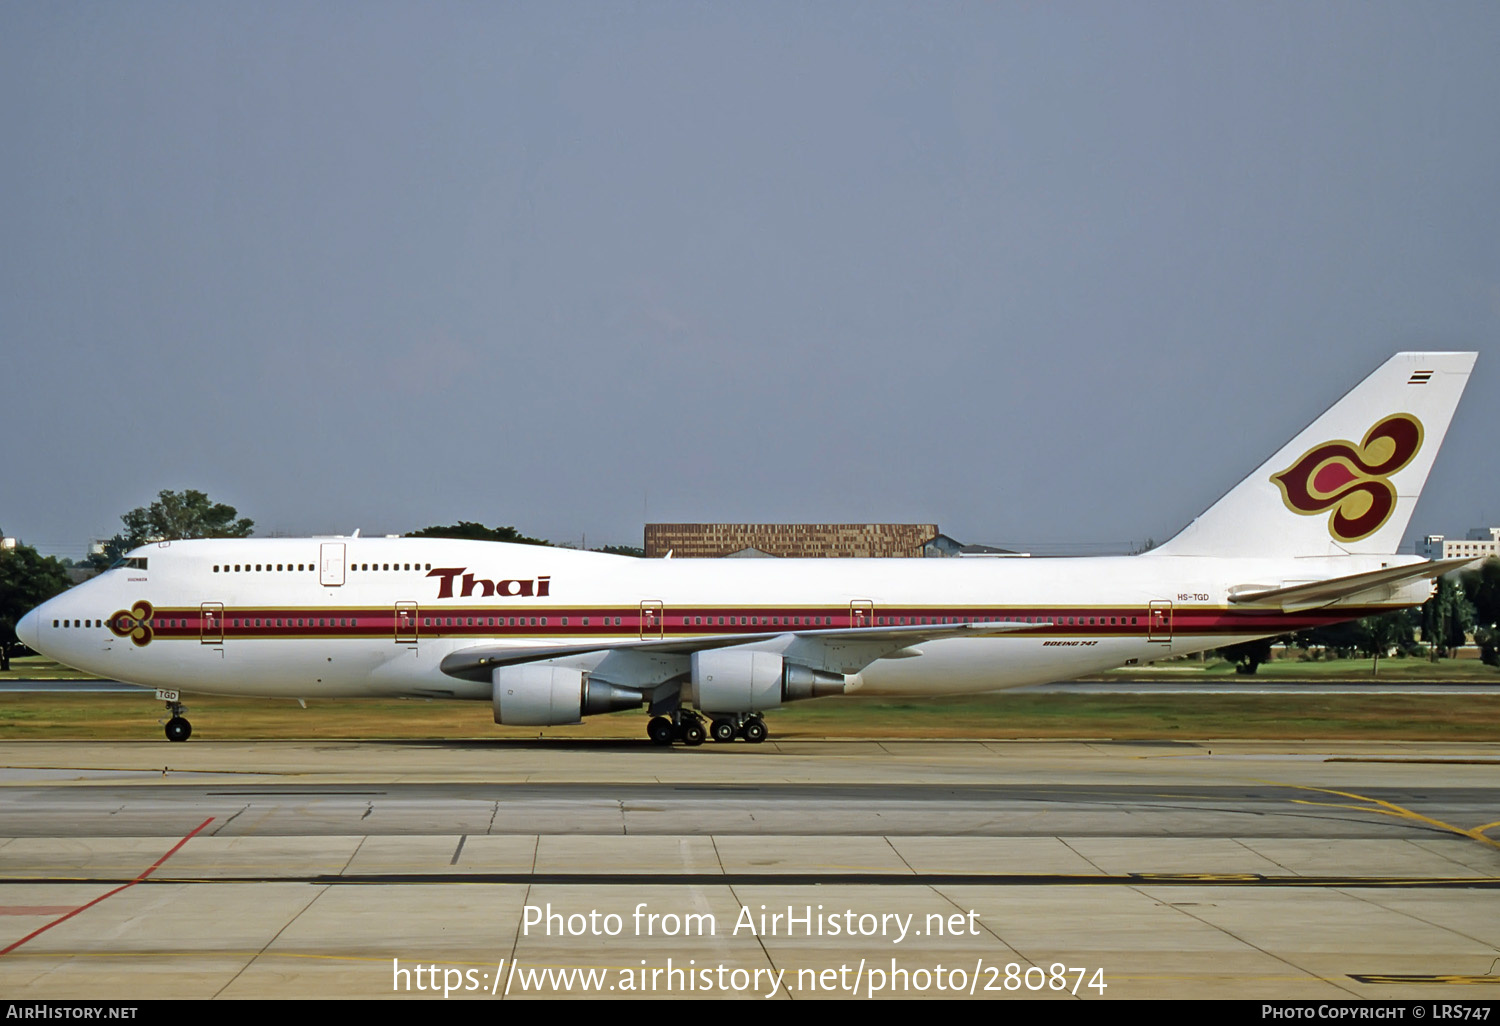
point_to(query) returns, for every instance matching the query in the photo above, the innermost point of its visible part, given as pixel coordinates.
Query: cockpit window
(131, 563)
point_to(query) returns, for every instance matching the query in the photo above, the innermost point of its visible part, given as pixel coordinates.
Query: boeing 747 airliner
(549, 636)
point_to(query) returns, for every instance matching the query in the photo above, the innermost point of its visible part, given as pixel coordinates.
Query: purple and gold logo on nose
(1352, 480)
(135, 624)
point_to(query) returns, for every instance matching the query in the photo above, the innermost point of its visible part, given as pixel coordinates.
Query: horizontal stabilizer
(1316, 594)
(477, 662)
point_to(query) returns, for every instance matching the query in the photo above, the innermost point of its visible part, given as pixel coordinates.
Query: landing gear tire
(754, 731)
(661, 731)
(179, 729)
(693, 733)
(722, 731)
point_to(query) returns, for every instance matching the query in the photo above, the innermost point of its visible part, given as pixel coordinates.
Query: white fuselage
(311, 618)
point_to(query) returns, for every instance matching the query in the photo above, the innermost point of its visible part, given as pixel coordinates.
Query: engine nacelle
(545, 696)
(740, 680)
(798, 682)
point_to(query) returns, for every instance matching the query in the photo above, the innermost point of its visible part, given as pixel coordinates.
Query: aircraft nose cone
(28, 629)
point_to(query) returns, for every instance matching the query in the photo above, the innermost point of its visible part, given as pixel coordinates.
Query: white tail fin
(1349, 482)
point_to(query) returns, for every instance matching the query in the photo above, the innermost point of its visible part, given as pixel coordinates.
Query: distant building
(687, 541)
(988, 550)
(942, 545)
(750, 553)
(1478, 543)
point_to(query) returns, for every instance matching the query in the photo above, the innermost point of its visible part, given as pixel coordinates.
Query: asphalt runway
(794, 870)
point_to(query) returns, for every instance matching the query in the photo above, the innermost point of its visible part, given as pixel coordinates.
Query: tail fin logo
(1352, 480)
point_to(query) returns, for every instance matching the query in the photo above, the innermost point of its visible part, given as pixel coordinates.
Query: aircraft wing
(1315, 594)
(863, 644)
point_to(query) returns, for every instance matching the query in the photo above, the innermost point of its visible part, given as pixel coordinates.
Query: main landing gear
(178, 728)
(686, 726)
(683, 725)
(750, 726)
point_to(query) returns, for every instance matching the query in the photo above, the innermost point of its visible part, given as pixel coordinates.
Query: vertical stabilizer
(1350, 481)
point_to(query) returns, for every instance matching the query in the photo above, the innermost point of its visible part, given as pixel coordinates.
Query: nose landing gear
(178, 728)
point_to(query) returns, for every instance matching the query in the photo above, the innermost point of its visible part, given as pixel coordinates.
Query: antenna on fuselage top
(355, 534)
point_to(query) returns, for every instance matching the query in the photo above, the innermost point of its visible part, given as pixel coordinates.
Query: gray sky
(1046, 274)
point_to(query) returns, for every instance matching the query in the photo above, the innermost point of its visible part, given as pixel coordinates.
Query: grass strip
(999, 715)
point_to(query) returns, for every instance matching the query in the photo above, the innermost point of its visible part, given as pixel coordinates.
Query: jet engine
(741, 680)
(545, 696)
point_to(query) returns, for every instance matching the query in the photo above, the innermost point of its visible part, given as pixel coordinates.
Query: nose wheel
(178, 728)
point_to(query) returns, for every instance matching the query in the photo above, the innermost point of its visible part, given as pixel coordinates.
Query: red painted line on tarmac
(108, 894)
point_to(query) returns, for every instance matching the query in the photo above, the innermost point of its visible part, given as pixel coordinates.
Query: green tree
(1446, 618)
(1248, 655)
(1488, 640)
(1375, 636)
(1482, 588)
(624, 550)
(1339, 638)
(471, 531)
(174, 515)
(27, 579)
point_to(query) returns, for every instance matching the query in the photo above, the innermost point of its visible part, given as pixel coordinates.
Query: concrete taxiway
(790, 869)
